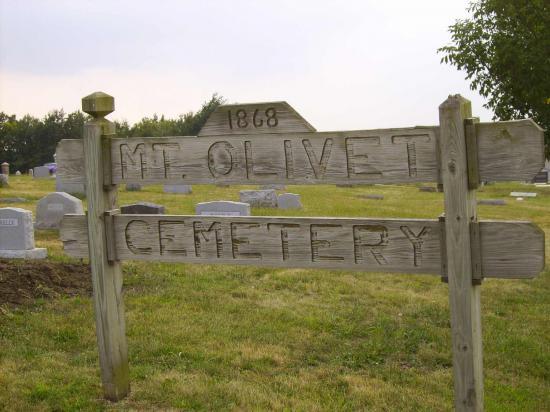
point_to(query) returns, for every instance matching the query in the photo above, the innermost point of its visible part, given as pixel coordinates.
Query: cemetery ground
(205, 337)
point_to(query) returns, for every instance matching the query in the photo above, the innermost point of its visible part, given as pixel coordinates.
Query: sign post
(269, 143)
(106, 273)
(460, 217)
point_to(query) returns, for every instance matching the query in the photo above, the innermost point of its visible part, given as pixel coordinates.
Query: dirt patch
(21, 282)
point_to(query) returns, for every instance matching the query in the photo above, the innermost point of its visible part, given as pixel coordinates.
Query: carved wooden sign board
(271, 143)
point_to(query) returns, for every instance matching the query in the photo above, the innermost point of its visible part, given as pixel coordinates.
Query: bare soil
(22, 282)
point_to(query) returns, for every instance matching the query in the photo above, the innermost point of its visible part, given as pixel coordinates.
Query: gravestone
(40, 172)
(17, 235)
(5, 168)
(145, 208)
(133, 187)
(523, 194)
(184, 189)
(18, 173)
(274, 187)
(12, 200)
(31, 172)
(67, 187)
(4, 181)
(491, 202)
(289, 201)
(372, 196)
(51, 208)
(259, 198)
(222, 208)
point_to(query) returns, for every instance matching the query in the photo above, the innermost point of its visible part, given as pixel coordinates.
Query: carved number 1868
(241, 120)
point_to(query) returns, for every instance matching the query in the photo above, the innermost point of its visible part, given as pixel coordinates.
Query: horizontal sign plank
(509, 249)
(507, 151)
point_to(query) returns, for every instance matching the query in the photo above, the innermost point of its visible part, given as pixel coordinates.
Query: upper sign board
(270, 143)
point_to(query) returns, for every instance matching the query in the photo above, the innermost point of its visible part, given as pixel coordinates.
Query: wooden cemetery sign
(271, 143)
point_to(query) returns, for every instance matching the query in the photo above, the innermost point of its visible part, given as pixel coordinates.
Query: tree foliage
(29, 142)
(504, 47)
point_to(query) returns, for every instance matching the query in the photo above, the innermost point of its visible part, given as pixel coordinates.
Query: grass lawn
(204, 337)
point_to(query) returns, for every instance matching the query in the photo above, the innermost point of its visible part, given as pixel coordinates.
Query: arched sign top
(255, 118)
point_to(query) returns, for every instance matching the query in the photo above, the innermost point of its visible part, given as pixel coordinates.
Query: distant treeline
(29, 142)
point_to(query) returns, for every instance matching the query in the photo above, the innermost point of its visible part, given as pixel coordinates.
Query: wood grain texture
(255, 118)
(464, 297)
(506, 152)
(106, 275)
(509, 249)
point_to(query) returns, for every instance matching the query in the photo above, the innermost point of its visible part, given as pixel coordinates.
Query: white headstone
(185, 189)
(222, 208)
(17, 235)
(51, 208)
(523, 194)
(259, 198)
(31, 172)
(41, 172)
(18, 173)
(289, 201)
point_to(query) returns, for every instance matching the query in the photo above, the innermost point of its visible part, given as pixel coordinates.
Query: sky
(343, 65)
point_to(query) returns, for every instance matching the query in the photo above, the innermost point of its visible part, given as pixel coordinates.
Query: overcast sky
(341, 64)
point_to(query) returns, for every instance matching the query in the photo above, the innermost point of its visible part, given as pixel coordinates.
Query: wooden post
(106, 274)
(464, 296)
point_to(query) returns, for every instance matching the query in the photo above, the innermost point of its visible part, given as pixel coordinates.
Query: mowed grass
(204, 337)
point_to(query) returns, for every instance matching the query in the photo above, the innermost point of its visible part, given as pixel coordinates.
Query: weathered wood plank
(255, 118)
(509, 249)
(106, 274)
(506, 152)
(464, 296)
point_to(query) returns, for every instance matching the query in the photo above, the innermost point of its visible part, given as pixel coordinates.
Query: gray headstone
(289, 201)
(41, 172)
(491, 202)
(427, 189)
(51, 208)
(13, 200)
(72, 188)
(18, 173)
(4, 180)
(5, 168)
(17, 235)
(274, 187)
(185, 189)
(222, 208)
(259, 198)
(372, 196)
(144, 208)
(133, 187)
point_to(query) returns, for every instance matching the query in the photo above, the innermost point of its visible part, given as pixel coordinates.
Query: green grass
(207, 337)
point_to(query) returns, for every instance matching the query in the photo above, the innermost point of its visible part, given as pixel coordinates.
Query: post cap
(98, 104)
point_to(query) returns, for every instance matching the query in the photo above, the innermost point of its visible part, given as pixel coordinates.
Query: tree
(28, 142)
(504, 47)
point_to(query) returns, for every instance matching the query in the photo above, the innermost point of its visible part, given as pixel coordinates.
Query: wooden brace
(110, 238)
(475, 251)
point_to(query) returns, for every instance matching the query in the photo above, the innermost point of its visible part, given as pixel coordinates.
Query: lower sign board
(508, 249)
